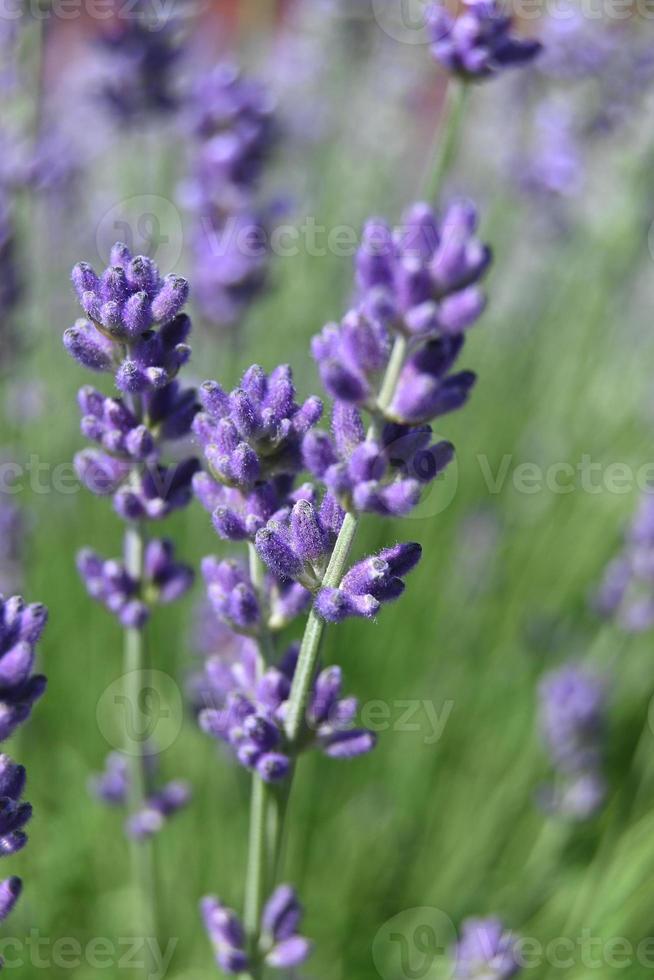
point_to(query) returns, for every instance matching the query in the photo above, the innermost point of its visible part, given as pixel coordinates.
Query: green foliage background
(564, 356)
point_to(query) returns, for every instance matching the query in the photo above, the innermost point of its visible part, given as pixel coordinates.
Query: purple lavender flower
(141, 54)
(10, 890)
(369, 584)
(14, 814)
(281, 947)
(112, 786)
(130, 297)
(10, 284)
(255, 433)
(126, 302)
(479, 42)
(250, 716)
(235, 117)
(234, 128)
(572, 710)
(385, 476)
(12, 535)
(572, 720)
(485, 951)
(109, 582)
(626, 593)
(21, 627)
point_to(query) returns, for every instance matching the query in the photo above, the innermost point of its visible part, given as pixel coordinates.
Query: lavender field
(326, 479)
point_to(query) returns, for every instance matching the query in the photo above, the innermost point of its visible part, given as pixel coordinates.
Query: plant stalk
(448, 138)
(141, 852)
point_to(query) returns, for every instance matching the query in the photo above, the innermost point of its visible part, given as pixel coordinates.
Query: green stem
(448, 137)
(141, 852)
(257, 861)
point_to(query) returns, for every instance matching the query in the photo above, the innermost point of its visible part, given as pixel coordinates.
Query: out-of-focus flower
(281, 946)
(112, 786)
(480, 42)
(251, 712)
(485, 951)
(140, 49)
(572, 709)
(626, 593)
(234, 130)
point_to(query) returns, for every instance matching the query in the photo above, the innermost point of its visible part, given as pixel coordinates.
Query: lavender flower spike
(281, 947)
(21, 627)
(479, 42)
(485, 950)
(369, 584)
(572, 721)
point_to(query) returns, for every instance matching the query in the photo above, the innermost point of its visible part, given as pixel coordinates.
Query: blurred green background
(564, 356)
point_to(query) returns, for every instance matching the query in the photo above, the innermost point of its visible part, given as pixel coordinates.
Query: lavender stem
(141, 851)
(447, 138)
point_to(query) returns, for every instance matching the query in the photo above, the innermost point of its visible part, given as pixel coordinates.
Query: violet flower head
(112, 786)
(141, 56)
(480, 42)
(281, 946)
(235, 117)
(10, 282)
(485, 951)
(130, 600)
(369, 584)
(234, 130)
(572, 709)
(250, 717)
(626, 592)
(130, 297)
(21, 627)
(14, 813)
(12, 536)
(144, 350)
(255, 433)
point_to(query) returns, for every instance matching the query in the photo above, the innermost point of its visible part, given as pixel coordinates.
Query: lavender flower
(626, 593)
(126, 303)
(12, 533)
(369, 584)
(10, 284)
(280, 947)
(249, 716)
(113, 787)
(479, 42)
(385, 476)
(485, 951)
(137, 332)
(255, 433)
(572, 720)
(234, 128)
(21, 627)
(109, 582)
(141, 54)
